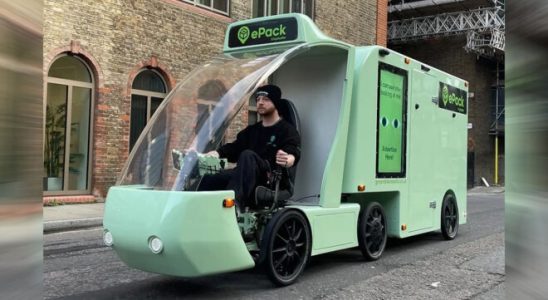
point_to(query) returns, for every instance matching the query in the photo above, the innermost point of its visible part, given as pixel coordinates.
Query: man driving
(257, 150)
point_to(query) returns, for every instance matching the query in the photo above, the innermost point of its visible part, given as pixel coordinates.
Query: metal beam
(445, 24)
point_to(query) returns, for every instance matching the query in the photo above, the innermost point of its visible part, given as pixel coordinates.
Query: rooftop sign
(263, 32)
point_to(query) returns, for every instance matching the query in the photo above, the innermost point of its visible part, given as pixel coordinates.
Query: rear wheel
(372, 233)
(288, 243)
(449, 217)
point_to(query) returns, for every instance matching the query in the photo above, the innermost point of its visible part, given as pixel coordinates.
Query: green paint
(243, 34)
(390, 129)
(200, 236)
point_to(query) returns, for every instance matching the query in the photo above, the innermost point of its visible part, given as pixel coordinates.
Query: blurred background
(21, 114)
(526, 150)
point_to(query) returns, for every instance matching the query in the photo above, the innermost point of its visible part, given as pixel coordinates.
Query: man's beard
(267, 112)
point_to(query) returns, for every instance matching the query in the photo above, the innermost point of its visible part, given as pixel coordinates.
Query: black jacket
(265, 141)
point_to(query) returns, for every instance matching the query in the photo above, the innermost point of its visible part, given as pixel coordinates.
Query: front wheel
(372, 233)
(288, 243)
(449, 217)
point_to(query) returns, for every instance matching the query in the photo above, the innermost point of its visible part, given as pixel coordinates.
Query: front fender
(199, 235)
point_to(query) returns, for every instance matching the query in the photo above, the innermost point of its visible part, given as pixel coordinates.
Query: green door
(423, 157)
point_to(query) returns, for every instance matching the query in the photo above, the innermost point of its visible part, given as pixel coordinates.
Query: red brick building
(109, 64)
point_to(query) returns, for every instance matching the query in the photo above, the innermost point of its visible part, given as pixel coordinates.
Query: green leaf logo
(243, 34)
(445, 95)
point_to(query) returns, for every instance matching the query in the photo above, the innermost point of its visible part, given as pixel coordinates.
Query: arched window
(147, 92)
(67, 143)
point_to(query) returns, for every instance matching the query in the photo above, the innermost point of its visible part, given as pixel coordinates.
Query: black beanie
(272, 92)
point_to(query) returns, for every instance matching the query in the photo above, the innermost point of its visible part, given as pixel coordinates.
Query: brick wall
(448, 55)
(351, 21)
(119, 37)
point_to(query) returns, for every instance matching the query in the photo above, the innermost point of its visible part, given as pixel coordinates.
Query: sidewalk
(72, 216)
(78, 216)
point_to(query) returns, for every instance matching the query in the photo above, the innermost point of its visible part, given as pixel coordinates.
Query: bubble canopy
(197, 114)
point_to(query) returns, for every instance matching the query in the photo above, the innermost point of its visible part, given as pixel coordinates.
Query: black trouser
(251, 171)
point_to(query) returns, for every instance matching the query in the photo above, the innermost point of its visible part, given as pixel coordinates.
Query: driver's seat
(263, 195)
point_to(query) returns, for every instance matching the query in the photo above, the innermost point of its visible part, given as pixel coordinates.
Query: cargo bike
(383, 155)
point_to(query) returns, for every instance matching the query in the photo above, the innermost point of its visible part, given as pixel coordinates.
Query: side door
(424, 141)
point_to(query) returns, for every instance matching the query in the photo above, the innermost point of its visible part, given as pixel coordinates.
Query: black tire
(287, 245)
(372, 234)
(449, 217)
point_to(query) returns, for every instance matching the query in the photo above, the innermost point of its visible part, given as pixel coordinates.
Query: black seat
(265, 196)
(289, 113)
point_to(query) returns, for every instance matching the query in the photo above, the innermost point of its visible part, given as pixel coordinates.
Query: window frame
(210, 7)
(70, 84)
(146, 93)
(267, 5)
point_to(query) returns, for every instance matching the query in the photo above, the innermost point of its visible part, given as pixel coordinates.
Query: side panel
(437, 151)
(332, 228)
(436, 140)
(426, 153)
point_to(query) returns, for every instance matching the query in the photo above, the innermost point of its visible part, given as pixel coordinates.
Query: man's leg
(216, 182)
(250, 172)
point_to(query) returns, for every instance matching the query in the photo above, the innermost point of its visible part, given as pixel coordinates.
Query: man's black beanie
(272, 92)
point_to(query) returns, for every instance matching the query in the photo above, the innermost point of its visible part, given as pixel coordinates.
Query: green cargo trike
(384, 141)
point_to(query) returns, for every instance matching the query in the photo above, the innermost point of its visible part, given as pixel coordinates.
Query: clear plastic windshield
(198, 115)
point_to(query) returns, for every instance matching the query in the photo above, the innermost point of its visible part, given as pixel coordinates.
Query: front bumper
(199, 235)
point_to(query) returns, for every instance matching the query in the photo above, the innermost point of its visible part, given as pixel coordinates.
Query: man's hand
(284, 159)
(212, 154)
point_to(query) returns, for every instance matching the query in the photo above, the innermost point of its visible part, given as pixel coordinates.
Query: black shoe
(264, 197)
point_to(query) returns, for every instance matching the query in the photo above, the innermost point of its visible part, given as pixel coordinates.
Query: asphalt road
(78, 266)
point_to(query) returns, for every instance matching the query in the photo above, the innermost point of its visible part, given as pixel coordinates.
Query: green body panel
(334, 169)
(200, 236)
(332, 228)
(436, 145)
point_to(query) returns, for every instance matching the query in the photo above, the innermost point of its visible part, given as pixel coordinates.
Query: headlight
(155, 244)
(107, 238)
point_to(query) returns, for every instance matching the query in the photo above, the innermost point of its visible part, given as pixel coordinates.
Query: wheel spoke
(293, 228)
(298, 235)
(287, 229)
(281, 238)
(278, 250)
(281, 260)
(299, 245)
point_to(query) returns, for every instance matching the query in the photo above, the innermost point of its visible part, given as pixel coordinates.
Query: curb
(67, 225)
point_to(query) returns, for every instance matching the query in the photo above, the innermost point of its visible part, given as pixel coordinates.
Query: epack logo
(265, 32)
(244, 33)
(452, 98)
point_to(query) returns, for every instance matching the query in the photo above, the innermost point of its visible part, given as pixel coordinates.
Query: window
(263, 8)
(252, 115)
(391, 121)
(147, 92)
(209, 95)
(69, 93)
(220, 6)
